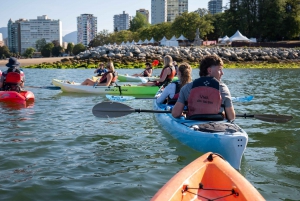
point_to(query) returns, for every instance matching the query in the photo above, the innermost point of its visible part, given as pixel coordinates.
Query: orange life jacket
(169, 78)
(205, 97)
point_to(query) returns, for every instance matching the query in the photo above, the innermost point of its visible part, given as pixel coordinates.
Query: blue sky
(68, 10)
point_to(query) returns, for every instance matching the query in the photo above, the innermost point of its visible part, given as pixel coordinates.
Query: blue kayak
(221, 137)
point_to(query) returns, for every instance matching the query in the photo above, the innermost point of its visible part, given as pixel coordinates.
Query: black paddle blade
(268, 117)
(109, 109)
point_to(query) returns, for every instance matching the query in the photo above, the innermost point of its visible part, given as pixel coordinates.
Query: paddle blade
(268, 117)
(120, 98)
(109, 109)
(242, 99)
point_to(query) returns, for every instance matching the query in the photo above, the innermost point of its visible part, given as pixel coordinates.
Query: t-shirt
(224, 91)
(101, 71)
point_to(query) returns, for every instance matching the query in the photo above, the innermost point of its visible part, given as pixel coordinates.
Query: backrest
(13, 77)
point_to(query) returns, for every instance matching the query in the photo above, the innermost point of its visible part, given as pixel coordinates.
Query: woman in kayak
(166, 75)
(146, 73)
(171, 92)
(206, 94)
(107, 78)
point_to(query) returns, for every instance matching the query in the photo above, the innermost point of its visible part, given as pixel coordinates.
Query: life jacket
(169, 78)
(172, 101)
(205, 99)
(104, 77)
(12, 82)
(144, 72)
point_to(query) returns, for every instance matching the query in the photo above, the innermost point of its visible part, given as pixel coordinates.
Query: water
(57, 150)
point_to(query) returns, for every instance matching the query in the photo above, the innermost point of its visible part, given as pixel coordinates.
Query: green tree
(29, 52)
(291, 19)
(102, 38)
(4, 52)
(57, 51)
(69, 49)
(78, 48)
(188, 23)
(47, 50)
(39, 44)
(139, 21)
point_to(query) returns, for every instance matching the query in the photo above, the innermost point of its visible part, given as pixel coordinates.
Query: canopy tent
(122, 43)
(133, 42)
(127, 43)
(182, 38)
(173, 38)
(152, 40)
(163, 41)
(139, 42)
(224, 39)
(146, 41)
(238, 37)
(172, 42)
(115, 43)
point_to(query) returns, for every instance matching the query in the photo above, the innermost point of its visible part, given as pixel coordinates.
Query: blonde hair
(110, 66)
(186, 74)
(168, 61)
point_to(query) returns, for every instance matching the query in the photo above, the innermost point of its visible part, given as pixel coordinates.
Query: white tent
(163, 41)
(140, 42)
(238, 37)
(173, 38)
(133, 42)
(172, 42)
(182, 38)
(122, 43)
(146, 41)
(152, 40)
(253, 40)
(224, 39)
(127, 43)
(115, 43)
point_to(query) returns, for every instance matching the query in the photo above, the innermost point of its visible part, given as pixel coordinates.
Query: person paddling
(13, 78)
(146, 73)
(205, 95)
(171, 92)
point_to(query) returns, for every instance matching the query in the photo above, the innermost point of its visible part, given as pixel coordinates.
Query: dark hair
(208, 61)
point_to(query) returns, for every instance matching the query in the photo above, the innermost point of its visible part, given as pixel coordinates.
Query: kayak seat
(206, 117)
(12, 82)
(214, 127)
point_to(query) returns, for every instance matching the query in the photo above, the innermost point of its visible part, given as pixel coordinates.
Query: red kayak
(15, 97)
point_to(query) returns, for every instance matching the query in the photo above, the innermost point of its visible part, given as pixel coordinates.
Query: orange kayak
(209, 177)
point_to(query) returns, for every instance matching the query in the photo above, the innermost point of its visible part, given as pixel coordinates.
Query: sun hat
(12, 62)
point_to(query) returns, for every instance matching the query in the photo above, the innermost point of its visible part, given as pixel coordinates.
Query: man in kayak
(146, 73)
(13, 67)
(205, 95)
(100, 70)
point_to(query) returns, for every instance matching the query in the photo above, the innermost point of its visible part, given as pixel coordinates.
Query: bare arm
(164, 75)
(230, 113)
(177, 109)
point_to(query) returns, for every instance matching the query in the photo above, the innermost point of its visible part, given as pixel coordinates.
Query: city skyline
(67, 11)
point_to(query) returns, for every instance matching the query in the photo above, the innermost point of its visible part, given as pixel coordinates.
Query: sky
(68, 10)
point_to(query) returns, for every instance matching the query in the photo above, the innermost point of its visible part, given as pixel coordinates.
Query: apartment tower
(86, 28)
(121, 21)
(215, 6)
(176, 8)
(158, 11)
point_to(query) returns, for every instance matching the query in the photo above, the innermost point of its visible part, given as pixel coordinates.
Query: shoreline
(34, 61)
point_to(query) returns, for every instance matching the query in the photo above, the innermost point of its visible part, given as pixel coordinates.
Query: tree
(70, 47)
(291, 19)
(47, 50)
(78, 48)
(139, 21)
(55, 43)
(4, 52)
(188, 23)
(39, 44)
(57, 51)
(102, 38)
(29, 52)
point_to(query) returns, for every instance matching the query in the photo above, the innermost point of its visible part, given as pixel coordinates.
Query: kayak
(129, 78)
(222, 137)
(13, 96)
(124, 90)
(209, 177)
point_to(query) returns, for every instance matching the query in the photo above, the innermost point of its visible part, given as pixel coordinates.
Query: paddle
(128, 98)
(115, 109)
(44, 87)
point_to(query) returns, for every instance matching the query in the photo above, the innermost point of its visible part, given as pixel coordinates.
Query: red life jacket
(205, 97)
(104, 77)
(169, 78)
(12, 82)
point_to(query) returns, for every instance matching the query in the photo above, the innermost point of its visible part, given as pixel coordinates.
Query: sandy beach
(27, 62)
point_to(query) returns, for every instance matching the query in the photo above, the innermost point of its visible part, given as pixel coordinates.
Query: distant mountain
(70, 37)
(3, 30)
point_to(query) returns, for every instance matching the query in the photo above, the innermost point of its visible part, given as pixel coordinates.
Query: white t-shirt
(168, 91)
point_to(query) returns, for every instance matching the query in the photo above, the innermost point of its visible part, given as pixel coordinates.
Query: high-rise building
(215, 6)
(13, 37)
(176, 8)
(121, 21)
(36, 29)
(86, 28)
(144, 12)
(158, 11)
